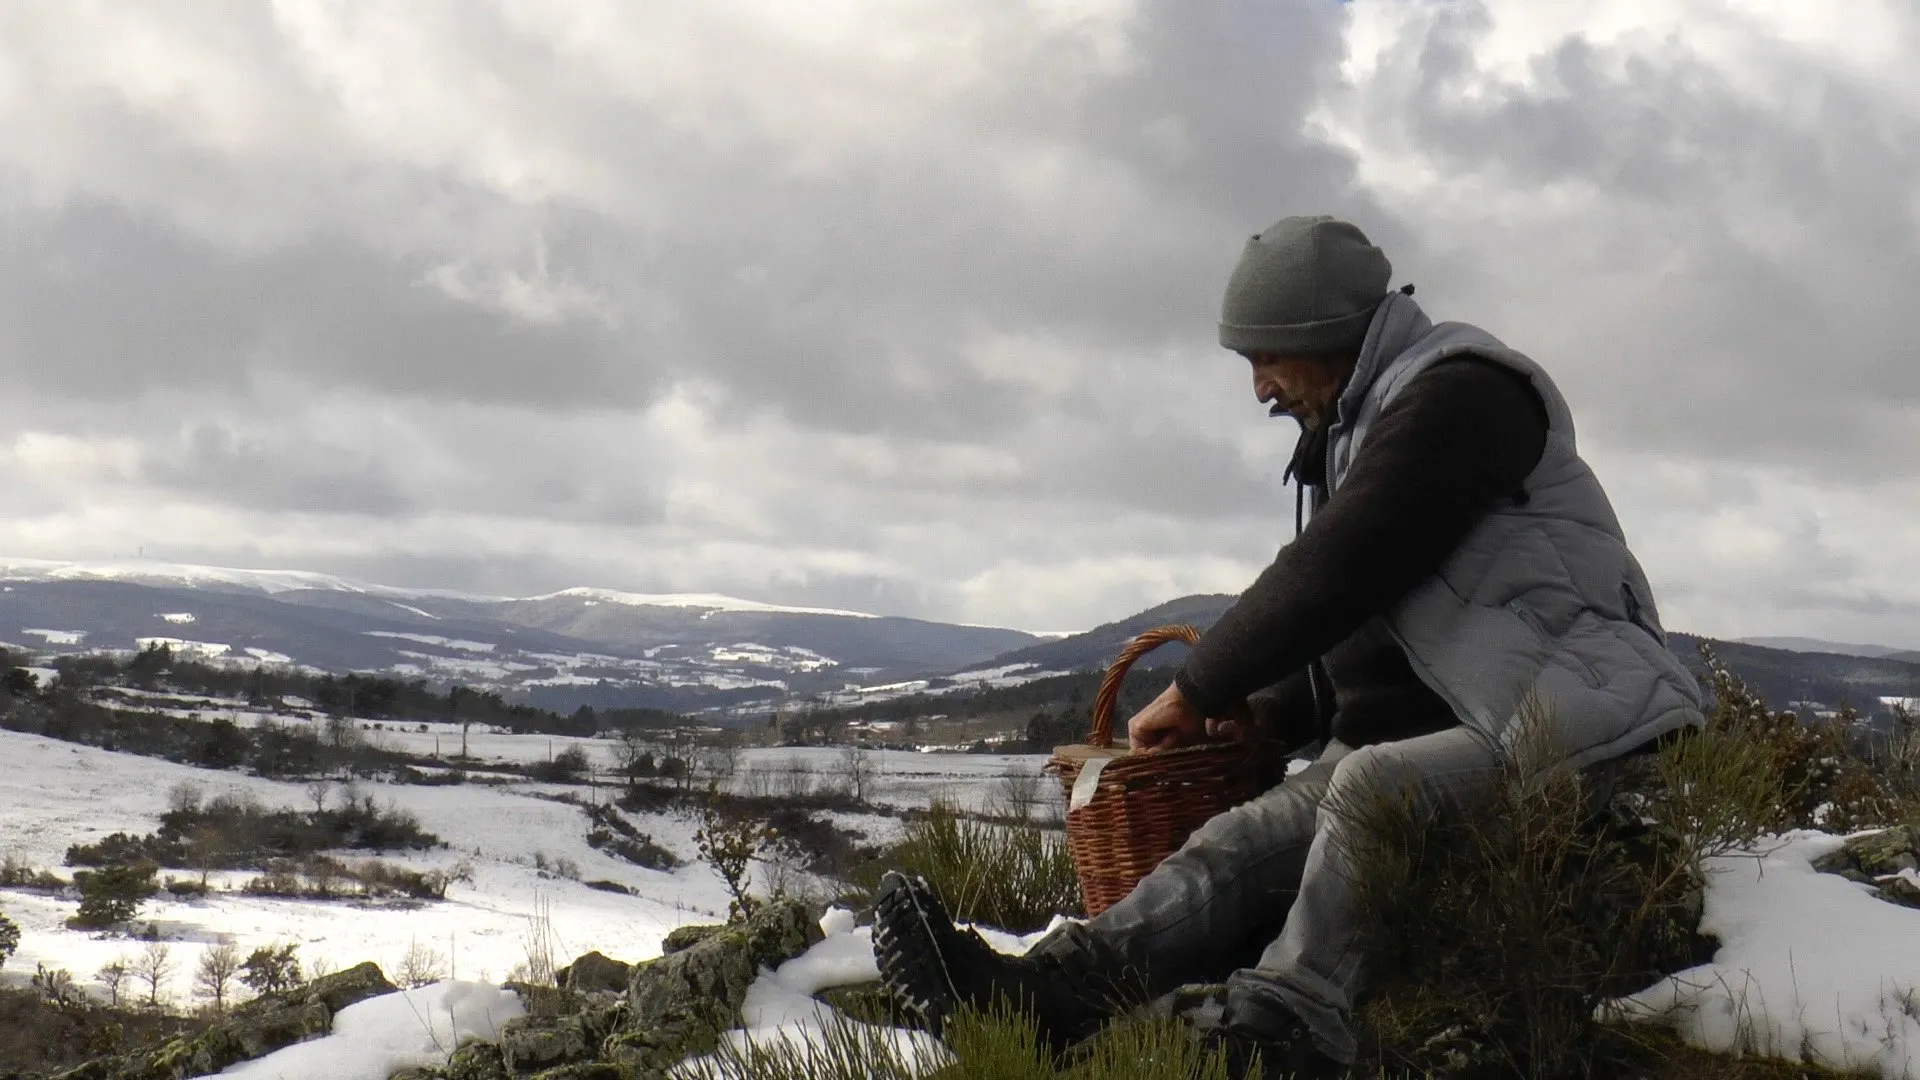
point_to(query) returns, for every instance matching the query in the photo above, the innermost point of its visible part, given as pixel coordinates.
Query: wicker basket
(1126, 811)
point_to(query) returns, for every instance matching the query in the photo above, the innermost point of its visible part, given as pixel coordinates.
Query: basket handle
(1109, 695)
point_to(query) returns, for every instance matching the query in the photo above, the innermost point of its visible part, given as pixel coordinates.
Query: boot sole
(909, 948)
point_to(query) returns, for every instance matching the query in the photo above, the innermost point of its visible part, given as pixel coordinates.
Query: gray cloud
(212, 461)
(916, 314)
(103, 303)
(1744, 259)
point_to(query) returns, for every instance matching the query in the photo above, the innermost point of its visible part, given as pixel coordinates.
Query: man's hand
(1167, 722)
(1237, 726)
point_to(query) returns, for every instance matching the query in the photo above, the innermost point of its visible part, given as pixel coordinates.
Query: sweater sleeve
(1284, 712)
(1460, 436)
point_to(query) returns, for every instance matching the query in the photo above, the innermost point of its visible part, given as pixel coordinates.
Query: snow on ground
(709, 602)
(198, 650)
(54, 794)
(900, 778)
(433, 639)
(485, 745)
(1809, 963)
(1808, 960)
(780, 1006)
(374, 1038)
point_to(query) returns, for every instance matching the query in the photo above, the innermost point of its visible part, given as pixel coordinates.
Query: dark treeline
(1053, 711)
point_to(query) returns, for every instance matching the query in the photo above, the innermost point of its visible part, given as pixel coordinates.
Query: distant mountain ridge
(1818, 645)
(684, 651)
(1097, 647)
(1779, 675)
(581, 646)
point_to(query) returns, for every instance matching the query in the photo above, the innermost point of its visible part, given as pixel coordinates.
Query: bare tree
(113, 976)
(208, 847)
(720, 762)
(796, 778)
(421, 965)
(857, 772)
(756, 780)
(214, 975)
(185, 797)
(152, 968)
(1019, 792)
(343, 732)
(633, 753)
(318, 792)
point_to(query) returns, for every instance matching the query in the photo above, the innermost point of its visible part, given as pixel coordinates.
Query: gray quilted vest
(1542, 597)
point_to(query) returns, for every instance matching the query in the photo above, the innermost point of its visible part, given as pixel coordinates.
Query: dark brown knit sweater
(1460, 436)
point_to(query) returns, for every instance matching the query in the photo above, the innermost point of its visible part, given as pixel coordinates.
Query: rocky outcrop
(681, 938)
(1888, 860)
(594, 973)
(611, 1021)
(257, 1028)
(531, 1043)
(679, 1004)
(476, 1061)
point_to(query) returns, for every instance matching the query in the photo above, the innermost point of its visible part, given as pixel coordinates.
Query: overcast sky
(909, 305)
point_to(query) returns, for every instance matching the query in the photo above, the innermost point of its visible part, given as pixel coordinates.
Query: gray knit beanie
(1306, 286)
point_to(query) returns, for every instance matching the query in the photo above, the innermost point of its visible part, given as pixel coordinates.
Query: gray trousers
(1264, 891)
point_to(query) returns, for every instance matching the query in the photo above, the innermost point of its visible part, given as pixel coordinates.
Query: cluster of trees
(269, 749)
(229, 832)
(1069, 691)
(1058, 709)
(142, 979)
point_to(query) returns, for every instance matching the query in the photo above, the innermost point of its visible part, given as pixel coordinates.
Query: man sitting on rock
(1461, 560)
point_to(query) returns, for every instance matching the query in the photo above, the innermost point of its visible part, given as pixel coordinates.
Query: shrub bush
(567, 767)
(617, 836)
(113, 893)
(185, 887)
(999, 1044)
(271, 969)
(9, 938)
(238, 833)
(1509, 926)
(318, 877)
(640, 852)
(18, 874)
(1013, 876)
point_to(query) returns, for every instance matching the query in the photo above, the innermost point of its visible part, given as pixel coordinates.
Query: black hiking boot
(1268, 1033)
(934, 969)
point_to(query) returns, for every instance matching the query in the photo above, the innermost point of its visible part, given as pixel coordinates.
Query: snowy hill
(1820, 645)
(559, 650)
(1782, 675)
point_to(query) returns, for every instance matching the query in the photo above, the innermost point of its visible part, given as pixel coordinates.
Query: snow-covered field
(900, 778)
(54, 794)
(1809, 962)
(1812, 965)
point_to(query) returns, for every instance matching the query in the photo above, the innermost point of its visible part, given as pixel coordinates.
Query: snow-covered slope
(560, 650)
(54, 794)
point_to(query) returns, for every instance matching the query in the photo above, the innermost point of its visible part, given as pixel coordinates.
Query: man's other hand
(1167, 722)
(1236, 726)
